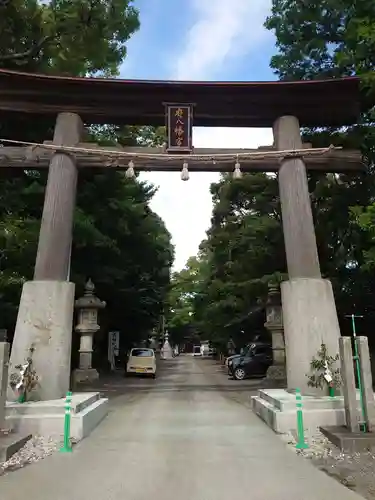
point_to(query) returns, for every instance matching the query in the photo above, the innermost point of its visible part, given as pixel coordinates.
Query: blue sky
(199, 40)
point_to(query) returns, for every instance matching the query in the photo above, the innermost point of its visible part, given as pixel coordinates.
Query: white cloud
(222, 31)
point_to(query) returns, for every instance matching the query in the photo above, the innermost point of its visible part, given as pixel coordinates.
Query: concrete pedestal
(310, 319)
(46, 418)
(349, 442)
(11, 443)
(277, 408)
(44, 322)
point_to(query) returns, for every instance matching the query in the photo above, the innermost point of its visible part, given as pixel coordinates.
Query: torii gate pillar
(309, 311)
(46, 308)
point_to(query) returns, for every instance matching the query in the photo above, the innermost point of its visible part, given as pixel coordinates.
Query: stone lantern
(166, 352)
(274, 325)
(87, 307)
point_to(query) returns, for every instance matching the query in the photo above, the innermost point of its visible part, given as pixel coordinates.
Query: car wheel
(239, 374)
(154, 375)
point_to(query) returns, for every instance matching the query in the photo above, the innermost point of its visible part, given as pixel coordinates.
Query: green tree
(118, 241)
(334, 38)
(244, 251)
(326, 38)
(66, 37)
(184, 287)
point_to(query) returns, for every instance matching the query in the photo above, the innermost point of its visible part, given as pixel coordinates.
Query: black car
(244, 352)
(253, 363)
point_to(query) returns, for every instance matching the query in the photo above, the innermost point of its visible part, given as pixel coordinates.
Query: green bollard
(301, 444)
(67, 447)
(21, 398)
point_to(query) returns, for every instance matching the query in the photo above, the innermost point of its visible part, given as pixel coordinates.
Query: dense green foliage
(324, 38)
(327, 39)
(244, 246)
(185, 286)
(118, 241)
(244, 251)
(66, 37)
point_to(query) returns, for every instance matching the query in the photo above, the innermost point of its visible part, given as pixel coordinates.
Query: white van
(197, 350)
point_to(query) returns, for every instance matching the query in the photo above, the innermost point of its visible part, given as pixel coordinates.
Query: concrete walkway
(176, 438)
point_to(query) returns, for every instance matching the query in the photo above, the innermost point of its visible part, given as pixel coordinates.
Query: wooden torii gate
(46, 306)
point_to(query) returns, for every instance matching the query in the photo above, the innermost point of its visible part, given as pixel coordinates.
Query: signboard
(179, 128)
(113, 347)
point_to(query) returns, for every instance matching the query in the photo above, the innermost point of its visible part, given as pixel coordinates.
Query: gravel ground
(356, 471)
(34, 450)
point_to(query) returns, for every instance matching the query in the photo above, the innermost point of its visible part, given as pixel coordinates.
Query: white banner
(113, 347)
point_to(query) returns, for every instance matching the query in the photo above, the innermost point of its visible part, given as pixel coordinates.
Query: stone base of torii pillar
(44, 323)
(310, 320)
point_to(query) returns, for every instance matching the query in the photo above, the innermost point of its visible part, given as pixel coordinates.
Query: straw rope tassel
(237, 174)
(185, 172)
(130, 170)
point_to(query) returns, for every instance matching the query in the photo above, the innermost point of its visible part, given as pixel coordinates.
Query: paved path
(175, 438)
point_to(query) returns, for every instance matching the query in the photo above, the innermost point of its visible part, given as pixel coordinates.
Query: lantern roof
(89, 300)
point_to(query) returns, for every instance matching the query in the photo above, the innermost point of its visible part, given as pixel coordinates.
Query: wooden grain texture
(335, 161)
(53, 257)
(299, 232)
(332, 102)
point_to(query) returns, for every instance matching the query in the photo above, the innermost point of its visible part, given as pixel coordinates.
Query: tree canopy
(327, 38)
(244, 246)
(185, 287)
(118, 241)
(66, 37)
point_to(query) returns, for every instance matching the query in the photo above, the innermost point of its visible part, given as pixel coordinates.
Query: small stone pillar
(87, 307)
(348, 384)
(367, 384)
(274, 325)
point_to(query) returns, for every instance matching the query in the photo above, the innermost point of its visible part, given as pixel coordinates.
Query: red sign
(179, 128)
